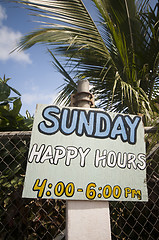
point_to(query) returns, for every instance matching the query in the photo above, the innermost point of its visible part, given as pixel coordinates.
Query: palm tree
(119, 54)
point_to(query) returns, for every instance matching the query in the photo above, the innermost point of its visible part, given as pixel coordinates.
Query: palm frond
(77, 26)
(119, 56)
(69, 87)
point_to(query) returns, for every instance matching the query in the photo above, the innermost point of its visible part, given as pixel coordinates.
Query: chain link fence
(45, 219)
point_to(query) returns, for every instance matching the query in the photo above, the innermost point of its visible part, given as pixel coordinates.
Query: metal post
(87, 219)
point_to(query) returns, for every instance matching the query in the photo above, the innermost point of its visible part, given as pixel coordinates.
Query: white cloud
(30, 100)
(37, 97)
(35, 94)
(3, 14)
(8, 41)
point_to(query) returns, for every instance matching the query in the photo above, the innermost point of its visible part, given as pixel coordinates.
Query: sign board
(86, 154)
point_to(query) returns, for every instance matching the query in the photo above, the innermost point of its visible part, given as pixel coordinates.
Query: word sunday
(95, 124)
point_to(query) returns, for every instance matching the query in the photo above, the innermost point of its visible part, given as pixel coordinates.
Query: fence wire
(29, 219)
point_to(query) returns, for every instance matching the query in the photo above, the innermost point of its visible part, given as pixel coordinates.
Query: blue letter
(103, 125)
(47, 114)
(85, 125)
(65, 128)
(133, 127)
(119, 129)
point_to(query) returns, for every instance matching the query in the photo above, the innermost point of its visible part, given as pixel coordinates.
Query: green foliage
(118, 54)
(20, 218)
(120, 57)
(5, 91)
(10, 117)
(12, 153)
(23, 218)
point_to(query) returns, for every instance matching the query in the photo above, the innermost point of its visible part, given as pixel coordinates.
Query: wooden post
(87, 220)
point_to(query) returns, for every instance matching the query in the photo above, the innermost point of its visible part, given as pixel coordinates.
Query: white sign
(86, 154)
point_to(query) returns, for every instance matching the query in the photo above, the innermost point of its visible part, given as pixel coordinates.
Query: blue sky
(31, 72)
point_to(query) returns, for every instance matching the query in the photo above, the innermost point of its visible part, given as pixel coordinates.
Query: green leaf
(14, 90)
(16, 107)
